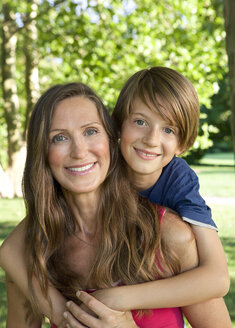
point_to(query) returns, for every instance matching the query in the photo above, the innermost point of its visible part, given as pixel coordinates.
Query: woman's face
(79, 155)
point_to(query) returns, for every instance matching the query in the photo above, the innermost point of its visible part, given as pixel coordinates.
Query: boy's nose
(152, 138)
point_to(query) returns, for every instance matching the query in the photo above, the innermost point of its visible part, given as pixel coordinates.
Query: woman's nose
(78, 148)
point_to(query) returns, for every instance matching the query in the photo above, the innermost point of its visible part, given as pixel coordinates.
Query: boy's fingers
(92, 303)
(79, 318)
(72, 322)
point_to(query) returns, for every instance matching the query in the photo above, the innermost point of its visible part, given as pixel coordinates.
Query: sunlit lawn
(214, 181)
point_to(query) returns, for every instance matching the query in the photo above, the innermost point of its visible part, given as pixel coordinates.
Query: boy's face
(148, 143)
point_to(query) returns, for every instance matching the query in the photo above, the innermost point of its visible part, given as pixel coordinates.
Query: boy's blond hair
(166, 92)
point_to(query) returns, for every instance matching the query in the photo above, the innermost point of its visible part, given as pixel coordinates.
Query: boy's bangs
(158, 104)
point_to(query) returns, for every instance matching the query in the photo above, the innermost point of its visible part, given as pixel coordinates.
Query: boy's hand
(62, 324)
(104, 316)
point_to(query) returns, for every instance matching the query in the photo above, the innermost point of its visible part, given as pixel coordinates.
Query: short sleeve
(178, 189)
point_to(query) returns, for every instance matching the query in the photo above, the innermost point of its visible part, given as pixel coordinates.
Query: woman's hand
(105, 317)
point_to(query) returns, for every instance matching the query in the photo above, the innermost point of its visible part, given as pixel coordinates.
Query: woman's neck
(84, 208)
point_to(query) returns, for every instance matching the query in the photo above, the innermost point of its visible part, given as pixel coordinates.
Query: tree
(229, 14)
(9, 87)
(18, 18)
(11, 101)
(31, 60)
(102, 43)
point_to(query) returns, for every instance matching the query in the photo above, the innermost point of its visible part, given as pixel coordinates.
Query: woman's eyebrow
(91, 123)
(83, 126)
(55, 130)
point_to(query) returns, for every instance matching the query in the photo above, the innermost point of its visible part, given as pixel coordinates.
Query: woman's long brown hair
(129, 228)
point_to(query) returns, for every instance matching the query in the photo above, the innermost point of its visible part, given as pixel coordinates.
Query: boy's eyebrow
(145, 116)
(137, 113)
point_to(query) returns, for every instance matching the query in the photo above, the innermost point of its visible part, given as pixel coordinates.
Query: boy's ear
(179, 151)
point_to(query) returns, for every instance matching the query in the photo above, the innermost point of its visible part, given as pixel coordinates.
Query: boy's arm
(17, 312)
(192, 286)
(178, 189)
(13, 262)
(186, 288)
(212, 261)
(189, 286)
(209, 314)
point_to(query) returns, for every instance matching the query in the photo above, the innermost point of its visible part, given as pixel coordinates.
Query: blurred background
(102, 43)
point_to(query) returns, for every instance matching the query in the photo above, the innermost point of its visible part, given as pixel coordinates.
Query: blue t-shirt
(178, 189)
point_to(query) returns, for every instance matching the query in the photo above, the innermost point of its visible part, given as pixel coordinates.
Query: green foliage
(218, 117)
(200, 146)
(102, 43)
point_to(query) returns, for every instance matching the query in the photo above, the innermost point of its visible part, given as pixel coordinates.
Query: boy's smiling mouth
(145, 154)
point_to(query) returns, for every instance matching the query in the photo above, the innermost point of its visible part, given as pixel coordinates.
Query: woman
(85, 227)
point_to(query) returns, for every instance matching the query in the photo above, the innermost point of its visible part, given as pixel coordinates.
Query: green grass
(11, 211)
(222, 159)
(225, 220)
(216, 174)
(215, 181)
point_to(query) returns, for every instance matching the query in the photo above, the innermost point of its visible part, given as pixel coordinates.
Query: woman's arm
(13, 262)
(17, 312)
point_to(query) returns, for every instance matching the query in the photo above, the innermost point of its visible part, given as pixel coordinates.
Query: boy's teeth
(149, 155)
(80, 169)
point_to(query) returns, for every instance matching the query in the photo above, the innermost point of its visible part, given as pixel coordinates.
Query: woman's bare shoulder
(15, 240)
(179, 236)
(174, 229)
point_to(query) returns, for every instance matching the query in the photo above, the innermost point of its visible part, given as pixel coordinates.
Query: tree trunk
(229, 14)
(11, 178)
(10, 97)
(31, 60)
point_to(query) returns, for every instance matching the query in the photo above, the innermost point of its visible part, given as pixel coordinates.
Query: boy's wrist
(114, 298)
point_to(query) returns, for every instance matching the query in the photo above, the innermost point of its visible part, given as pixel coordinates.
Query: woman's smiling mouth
(81, 169)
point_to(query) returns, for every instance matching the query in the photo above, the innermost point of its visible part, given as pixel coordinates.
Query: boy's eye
(59, 138)
(91, 131)
(169, 130)
(140, 122)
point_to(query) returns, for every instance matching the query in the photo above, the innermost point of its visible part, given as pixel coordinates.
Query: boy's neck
(143, 181)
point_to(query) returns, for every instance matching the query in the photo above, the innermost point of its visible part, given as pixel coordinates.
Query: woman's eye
(91, 132)
(140, 122)
(59, 138)
(169, 130)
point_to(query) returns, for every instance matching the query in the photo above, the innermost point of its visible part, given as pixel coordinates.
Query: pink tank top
(158, 318)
